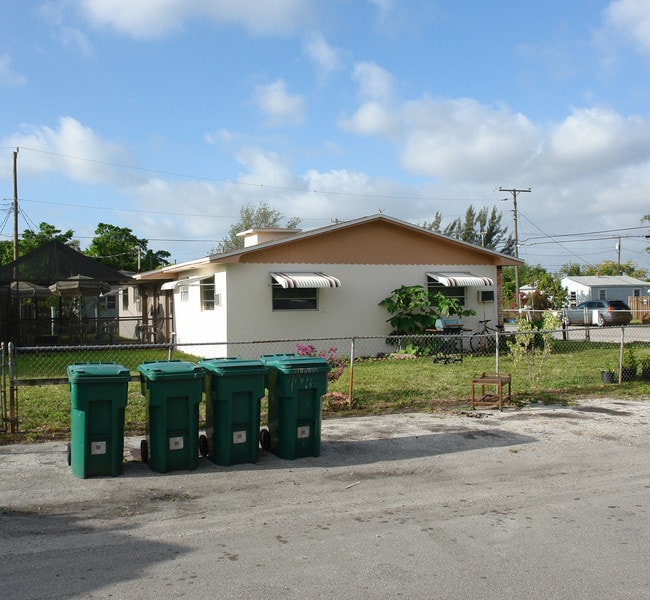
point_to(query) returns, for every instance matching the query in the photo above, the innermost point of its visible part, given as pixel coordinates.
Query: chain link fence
(566, 360)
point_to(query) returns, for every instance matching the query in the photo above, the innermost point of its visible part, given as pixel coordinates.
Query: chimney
(262, 235)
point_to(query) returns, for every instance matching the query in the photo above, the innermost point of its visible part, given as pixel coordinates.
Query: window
(207, 294)
(636, 293)
(110, 302)
(125, 298)
(446, 290)
(185, 293)
(602, 294)
(294, 298)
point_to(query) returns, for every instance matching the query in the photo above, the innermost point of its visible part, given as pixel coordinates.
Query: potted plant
(609, 374)
(629, 365)
(645, 368)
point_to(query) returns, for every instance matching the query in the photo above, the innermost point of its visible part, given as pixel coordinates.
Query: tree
(607, 267)
(119, 248)
(251, 217)
(483, 229)
(30, 240)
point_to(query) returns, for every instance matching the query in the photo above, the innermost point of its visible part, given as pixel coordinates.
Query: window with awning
(305, 280)
(299, 291)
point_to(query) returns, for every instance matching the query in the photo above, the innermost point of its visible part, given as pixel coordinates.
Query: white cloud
(72, 149)
(374, 82)
(8, 77)
(152, 18)
(591, 139)
(462, 139)
(325, 58)
(631, 18)
(280, 107)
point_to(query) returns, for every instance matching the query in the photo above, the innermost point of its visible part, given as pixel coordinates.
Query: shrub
(337, 363)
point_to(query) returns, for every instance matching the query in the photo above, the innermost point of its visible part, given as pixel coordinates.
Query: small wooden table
(496, 397)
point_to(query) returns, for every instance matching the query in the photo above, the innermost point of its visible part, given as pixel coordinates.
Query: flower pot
(609, 377)
(628, 373)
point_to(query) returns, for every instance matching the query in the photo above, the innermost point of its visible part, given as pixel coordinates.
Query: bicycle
(484, 340)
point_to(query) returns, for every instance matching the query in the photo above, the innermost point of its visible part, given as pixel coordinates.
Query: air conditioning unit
(486, 296)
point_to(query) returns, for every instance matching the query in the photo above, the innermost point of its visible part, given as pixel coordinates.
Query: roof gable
(371, 240)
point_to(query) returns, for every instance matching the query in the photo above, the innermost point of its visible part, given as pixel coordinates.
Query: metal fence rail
(23, 368)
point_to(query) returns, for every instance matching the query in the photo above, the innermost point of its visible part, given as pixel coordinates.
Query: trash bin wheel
(144, 451)
(203, 445)
(265, 439)
(69, 451)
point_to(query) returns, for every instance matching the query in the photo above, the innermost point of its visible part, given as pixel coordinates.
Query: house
(319, 284)
(606, 287)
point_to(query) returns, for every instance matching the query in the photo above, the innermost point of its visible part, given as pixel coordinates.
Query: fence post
(350, 388)
(13, 407)
(620, 355)
(3, 390)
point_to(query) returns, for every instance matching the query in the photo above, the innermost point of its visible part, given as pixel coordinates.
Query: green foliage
(483, 229)
(30, 240)
(534, 343)
(411, 310)
(605, 268)
(414, 309)
(261, 216)
(120, 249)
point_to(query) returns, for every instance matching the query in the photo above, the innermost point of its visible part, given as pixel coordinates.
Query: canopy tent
(54, 262)
(79, 285)
(25, 289)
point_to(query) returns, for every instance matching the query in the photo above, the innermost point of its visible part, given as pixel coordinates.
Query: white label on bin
(98, 447)
(239, 437)
(176, 443)
(302, 432)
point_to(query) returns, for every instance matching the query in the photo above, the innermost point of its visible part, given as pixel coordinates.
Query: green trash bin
(98, 397)
(233, 389)
(295, 385)
(173, 390)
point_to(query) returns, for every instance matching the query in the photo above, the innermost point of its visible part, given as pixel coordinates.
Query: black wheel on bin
(203, 445)
(144, 451)
(265, 439)
(69, 455)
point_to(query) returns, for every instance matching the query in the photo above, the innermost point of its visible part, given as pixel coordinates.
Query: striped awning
(305, 280)
(461, 279)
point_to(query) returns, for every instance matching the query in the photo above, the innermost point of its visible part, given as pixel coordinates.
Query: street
(541, 502)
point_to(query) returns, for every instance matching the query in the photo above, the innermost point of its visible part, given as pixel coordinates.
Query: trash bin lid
(170, 369)
(79, 371)
(288, 363)
(233, 366)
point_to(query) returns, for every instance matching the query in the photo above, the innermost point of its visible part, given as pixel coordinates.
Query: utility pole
(16, 204)
(515, 192)
(618, 255)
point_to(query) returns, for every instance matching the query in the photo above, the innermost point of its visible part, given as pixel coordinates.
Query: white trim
(172, 285)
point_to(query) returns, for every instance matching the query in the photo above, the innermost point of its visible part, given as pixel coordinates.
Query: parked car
(600, 312)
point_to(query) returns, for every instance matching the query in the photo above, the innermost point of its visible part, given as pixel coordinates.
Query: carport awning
(461, 279)
(305, 280)
(172, 285)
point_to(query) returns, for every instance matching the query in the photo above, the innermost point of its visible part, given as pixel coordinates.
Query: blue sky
(166, 116)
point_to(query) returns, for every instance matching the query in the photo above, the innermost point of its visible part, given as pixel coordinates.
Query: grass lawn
(379, 385)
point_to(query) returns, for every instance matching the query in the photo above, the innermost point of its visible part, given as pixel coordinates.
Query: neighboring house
(606, 287)
(323, 283)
